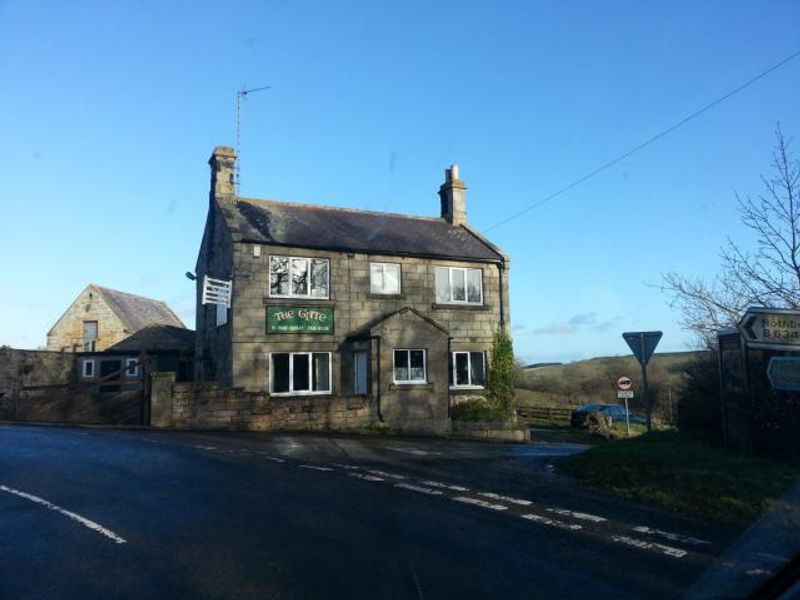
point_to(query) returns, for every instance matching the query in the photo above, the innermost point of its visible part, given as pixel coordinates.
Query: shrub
(596, 423)
(699, 411)
(477, 409)
(502, 372)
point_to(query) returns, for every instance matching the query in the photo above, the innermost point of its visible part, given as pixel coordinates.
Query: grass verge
(687, 476)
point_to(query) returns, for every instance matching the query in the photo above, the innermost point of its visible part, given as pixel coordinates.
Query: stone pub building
(328, 302)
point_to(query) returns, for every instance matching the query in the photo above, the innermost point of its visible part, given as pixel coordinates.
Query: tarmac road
(110, 513)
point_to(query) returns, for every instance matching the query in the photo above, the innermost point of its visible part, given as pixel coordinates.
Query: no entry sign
(624, 383)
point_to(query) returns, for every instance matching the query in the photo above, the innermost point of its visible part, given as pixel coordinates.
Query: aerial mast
(241, 95)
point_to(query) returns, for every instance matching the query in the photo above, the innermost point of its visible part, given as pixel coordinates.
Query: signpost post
(643, 344)
(624, 385)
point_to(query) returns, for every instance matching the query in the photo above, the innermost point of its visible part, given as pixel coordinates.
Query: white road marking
(551, 522)
(636, 543)
(446, 486)
(67, 513)
(316, 468)
(494, 496)
(577, 515)
(275, 459)
(418, 488)
(414, 451)
(758, 572)
(201, 447)
(385, 474)
(675, 537)
(348, 467)
(477, 502)
(366, 477)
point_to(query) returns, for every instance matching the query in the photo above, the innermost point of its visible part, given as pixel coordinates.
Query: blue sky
(109, 112)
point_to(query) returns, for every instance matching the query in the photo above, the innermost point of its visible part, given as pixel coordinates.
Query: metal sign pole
(646, 397)
(627, 419)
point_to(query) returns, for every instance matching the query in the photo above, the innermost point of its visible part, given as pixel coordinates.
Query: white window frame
(131, 371)
(410, 381)
(465, 270)
(470, 385)
(222, 315)
(292, 392)
(383, 266)
(291, 294)
(83, 370)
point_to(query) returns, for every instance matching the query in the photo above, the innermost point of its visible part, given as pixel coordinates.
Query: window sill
(298, 394)
(374, 296)
(282, 300)
(409, 385)
(466, 388)
(459, 306)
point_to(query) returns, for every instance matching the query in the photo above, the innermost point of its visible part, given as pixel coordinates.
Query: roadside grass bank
(684, 475)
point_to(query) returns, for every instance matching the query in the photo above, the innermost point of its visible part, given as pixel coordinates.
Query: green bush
(597, 424)
(699, 404)
(502, 374)
(477, 409)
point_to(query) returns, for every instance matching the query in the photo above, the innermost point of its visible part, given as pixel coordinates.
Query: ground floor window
(300, 373)
(467, 369)
(132, 365)
(409, 366)
(88, 368)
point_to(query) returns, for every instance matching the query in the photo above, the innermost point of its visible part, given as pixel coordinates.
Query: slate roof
(137, 312)
(157, 338)
(329, 228)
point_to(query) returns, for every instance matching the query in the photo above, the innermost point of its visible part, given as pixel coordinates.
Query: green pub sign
(299, 319)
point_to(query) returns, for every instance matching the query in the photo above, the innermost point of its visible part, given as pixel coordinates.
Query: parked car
(614, 413)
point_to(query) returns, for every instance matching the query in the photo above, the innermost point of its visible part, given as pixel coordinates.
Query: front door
(360, 373)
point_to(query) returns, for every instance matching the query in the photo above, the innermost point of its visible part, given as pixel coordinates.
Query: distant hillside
(593, 380)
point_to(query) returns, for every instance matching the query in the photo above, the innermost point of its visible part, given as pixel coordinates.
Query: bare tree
(766, 275)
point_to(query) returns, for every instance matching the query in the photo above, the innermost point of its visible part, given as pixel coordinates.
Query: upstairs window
(291, 277)
(300, 373)
(467, 369)
(384, 278)
(456, 285)
(409, 366)
(89, 336)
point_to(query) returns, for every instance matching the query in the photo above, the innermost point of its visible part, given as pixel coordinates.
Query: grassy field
(687, 476)
(577, 383)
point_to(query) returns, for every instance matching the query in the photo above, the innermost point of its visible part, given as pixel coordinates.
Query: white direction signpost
(643, 344)
(625, 390)
(771, 328)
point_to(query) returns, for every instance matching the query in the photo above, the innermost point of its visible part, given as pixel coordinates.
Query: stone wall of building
(67, 334)
(209, 406)
(213, 361)
(471, 327)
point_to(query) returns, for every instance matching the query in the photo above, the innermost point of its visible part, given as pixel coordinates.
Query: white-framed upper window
(88, 368)
(295, 277)
(457, 285)
(222, 314)
(299, 373)
(384, 278)
(467, 369)
(131, 367)
(410, 366)
(89, 336)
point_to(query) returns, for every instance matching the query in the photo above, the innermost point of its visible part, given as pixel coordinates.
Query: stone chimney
(453, 193)
(222, 162)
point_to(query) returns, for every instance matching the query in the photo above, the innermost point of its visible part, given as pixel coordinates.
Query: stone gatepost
(161, 399)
